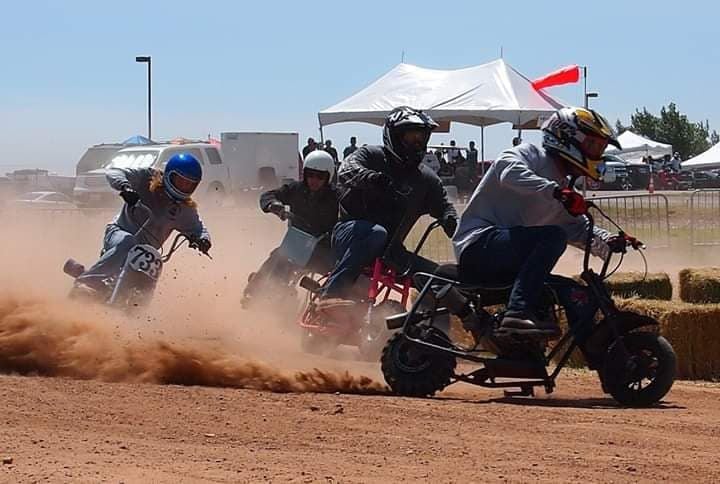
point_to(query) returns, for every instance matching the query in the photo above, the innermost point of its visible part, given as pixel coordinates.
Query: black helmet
(403, 119)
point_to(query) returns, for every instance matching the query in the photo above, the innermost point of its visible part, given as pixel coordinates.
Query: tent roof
(634, 147)
(138, 140)
(706, 159)
(481, 95)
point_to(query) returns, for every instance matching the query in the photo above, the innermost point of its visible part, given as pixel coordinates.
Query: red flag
(564, 75)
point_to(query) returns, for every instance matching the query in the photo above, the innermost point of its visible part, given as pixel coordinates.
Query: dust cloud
(194, 333)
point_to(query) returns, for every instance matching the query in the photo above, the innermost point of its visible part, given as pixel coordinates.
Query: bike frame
(496, 367)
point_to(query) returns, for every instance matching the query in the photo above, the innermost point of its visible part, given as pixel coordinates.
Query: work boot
(525, 323)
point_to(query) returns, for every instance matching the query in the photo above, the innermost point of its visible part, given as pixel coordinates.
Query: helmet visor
(183, 184)
(414, 139)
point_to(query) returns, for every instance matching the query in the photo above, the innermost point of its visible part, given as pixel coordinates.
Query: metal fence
(705, 217)
(645, 216)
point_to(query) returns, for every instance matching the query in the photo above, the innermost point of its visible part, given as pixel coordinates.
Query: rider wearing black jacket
(384, 190)
(313, 204)
(317, 212)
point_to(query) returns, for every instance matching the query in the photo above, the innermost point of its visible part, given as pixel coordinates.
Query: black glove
(381, 180)
(449, 225)
(278, 209)
(204, 245)
(130, 196)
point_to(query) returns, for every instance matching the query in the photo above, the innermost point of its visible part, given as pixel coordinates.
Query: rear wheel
(413, 370)
(642, 376)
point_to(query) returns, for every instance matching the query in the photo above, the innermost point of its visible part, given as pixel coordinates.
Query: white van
(259, 161)
(93, 190)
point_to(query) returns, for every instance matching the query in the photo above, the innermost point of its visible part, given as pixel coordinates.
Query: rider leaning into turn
(168, 195)
(313, 204)
(523, 214)
(384, 190)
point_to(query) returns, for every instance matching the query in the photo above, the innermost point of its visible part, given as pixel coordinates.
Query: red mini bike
(381, 291)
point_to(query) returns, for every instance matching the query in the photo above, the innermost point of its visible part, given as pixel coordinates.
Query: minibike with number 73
(135, 284)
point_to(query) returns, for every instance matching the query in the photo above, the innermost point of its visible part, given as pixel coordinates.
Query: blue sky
(69, 77)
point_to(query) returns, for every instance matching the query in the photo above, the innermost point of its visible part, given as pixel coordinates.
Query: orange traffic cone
(651, 186)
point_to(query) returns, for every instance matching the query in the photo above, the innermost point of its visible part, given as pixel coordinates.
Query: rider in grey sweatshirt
(518, 190)
(166, 214)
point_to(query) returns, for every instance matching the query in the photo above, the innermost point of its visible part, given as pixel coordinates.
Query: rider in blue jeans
(168, 195)
(384, 190)
(523, 215)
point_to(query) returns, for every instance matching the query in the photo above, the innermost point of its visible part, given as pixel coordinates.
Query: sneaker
(525, 323)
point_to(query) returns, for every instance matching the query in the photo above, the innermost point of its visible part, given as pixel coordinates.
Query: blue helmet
(183, 173)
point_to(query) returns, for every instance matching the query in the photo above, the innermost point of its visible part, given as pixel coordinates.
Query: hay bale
(700, 285)
(692, 329)
(633, 284)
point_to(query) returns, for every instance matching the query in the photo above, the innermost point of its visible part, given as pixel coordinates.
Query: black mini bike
(635, 364)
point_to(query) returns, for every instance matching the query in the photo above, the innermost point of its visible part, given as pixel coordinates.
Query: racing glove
(129, 195)
(278, 208)
(573, 202)
(449, 225)
(601, 248)
(204, 245)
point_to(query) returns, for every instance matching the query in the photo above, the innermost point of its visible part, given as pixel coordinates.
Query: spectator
(472, 159)
(517, 140)
(333, 152)
(452, 153)
(351, 148)
(310, 147)
(675, 162)
(431, 160)
(439, 155)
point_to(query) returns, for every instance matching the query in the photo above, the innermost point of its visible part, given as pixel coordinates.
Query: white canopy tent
(481, 95)
(635, 147)
(709, 159)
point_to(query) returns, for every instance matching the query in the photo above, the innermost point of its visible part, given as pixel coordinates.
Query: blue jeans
(116, 245)
(356, 243)
(523, 256)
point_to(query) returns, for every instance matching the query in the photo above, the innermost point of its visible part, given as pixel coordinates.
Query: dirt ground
(58, 430)
(198, 390)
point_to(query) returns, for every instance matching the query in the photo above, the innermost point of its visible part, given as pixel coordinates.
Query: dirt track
(59, 430)
(83, 430)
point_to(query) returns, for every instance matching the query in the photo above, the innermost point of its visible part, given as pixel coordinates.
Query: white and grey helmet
(320, 160)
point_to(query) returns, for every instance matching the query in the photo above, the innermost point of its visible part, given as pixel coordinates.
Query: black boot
(526, 323)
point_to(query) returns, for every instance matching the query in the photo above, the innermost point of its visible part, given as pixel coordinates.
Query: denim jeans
(116, 245)
(357, 243)
(521, 256)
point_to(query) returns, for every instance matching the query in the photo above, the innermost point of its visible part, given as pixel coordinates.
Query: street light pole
(148, 60)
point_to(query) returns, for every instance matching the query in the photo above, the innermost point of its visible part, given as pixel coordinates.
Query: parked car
(54, 200)
(614, 175)
(705, 179)
(93, 190)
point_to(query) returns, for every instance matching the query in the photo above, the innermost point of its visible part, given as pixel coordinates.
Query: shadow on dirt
(587, 403)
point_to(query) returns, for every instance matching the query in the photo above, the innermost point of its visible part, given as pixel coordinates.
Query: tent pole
(482, 150)
(322, 135)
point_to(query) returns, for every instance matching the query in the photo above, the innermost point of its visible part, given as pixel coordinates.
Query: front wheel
(640, 371)
(413, 370)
